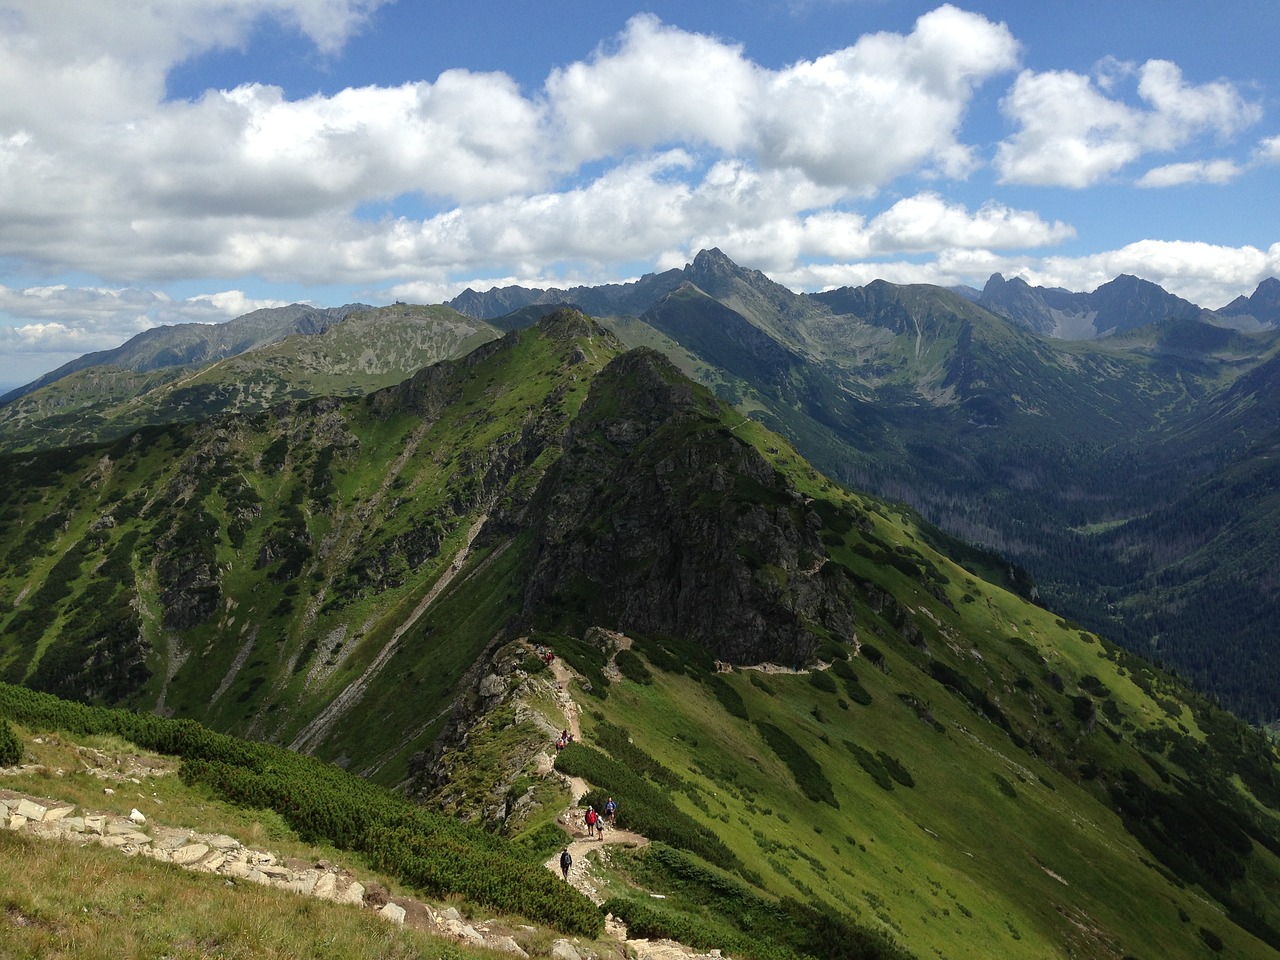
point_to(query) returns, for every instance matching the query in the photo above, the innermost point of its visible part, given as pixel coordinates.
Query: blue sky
(182, 160)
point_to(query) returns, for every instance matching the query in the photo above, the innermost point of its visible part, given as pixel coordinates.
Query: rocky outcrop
(658, 520)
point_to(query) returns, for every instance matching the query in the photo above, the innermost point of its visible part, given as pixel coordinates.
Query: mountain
(197, 343)
(1262, 307)
(176, 374)
(1049, 451)
(840, 741)
(1056, 454)
(605, 300)
(1122, 304)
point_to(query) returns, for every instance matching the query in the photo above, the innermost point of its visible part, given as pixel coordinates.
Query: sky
(168, 161)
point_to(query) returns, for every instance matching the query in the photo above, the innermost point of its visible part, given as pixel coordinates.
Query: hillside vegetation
(843, 742)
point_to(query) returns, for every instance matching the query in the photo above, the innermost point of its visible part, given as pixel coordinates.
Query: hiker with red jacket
(590, 819)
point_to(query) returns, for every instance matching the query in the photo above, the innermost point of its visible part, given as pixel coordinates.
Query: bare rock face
(659, 520)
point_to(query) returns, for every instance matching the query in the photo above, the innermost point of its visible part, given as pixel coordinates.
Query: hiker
(566, 862)
(611, 811)
(590, 820)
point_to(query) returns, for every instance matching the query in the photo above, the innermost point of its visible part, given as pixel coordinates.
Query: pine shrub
(10, 746)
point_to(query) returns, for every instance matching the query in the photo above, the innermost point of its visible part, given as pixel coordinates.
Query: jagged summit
(1262, 306)
(692, 514)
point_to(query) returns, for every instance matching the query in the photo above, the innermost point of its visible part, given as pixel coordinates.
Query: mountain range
(847, 733)
(1127, 475)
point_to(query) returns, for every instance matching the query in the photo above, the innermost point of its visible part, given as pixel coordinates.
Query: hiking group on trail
(595, 820)
(564, 740)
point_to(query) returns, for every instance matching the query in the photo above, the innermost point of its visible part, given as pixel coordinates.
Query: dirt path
(588, 851)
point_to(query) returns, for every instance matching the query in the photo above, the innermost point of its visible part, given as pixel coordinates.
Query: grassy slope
(994, 852)
(366, 351)
(90, 902)
(371, 499)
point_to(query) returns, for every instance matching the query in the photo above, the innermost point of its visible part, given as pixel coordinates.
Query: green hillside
(177, 377)
(841, 742)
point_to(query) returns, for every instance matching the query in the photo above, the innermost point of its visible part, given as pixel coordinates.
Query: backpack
(591, 817)
(566, 861)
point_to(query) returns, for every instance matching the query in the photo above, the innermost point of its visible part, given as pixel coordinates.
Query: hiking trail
(587, 851)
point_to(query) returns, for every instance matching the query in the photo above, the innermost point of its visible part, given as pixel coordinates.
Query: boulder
(393, 912)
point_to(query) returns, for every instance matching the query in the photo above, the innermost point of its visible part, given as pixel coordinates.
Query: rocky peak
(658, 520)
(1263, 305)
(566, 323)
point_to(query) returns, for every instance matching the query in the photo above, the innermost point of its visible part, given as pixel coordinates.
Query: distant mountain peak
(1263, 305)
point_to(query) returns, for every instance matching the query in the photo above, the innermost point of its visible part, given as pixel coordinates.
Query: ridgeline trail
(586, 850)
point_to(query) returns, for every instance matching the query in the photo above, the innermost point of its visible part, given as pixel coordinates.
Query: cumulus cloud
(1072, 134)
(102, 174)
(657, 143)
(855, 118)
(885, 105)
(1200, 171)
(1268, 151)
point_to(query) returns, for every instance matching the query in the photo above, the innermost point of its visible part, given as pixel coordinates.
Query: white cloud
(1200, 171)
(658, 85)
(1267, 151)
(926, 222)
(884, 106)
(1208, 274)
(659, 142)
(1072, 134)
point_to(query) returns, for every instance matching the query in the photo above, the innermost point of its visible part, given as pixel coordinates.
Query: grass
(991, 853)
(191, 914)
(84, 903)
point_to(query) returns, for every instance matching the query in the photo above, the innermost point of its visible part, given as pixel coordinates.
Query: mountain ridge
(936, 761)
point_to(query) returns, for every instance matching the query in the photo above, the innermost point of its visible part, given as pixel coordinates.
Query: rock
(108, 791)
(506, 945)
(304, 883)
(353, 894)
(58, 813)
(32, 811)
(492, 686)
(393, 912)
(564, 950)
(326, 886)
(17, 822)
(136, 816)
(189, 853)
(95, 824)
